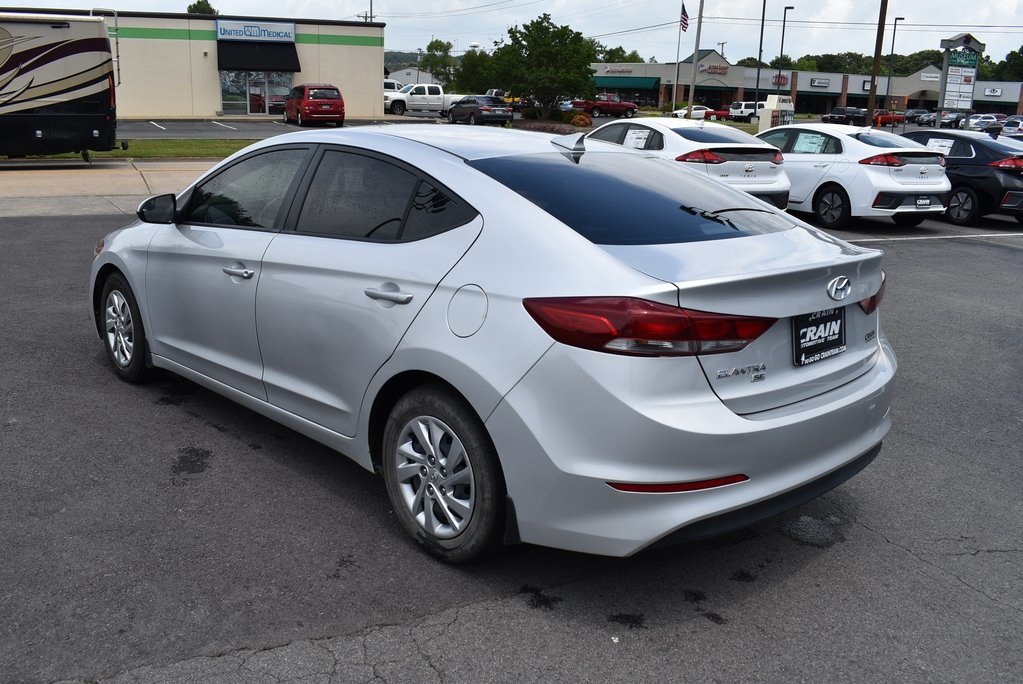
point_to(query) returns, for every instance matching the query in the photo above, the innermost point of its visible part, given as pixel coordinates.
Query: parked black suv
(986, 173)
(912, 114)
(853, 116)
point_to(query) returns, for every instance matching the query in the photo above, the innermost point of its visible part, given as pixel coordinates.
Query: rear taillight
(1011, 163)
(941, 160)
(870, 304)
(637, 327)
(486, 109)
(883, 160)
(700, 157)
(778, 158)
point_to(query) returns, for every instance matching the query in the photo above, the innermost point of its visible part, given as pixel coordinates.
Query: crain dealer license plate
(818, 336)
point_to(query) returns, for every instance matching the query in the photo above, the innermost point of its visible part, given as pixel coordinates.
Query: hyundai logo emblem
(839, 288)
(750, 168)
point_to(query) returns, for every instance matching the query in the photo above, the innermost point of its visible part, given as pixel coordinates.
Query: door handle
(819, 166)
(239, 272)
(396, 296)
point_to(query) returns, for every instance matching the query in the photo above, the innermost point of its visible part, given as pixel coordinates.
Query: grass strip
(168, 149)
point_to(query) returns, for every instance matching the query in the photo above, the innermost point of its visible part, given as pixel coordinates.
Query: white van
(743, 111)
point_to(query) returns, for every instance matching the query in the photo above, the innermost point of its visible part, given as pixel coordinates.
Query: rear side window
(624, 199)
(611, 134)
(356, 196)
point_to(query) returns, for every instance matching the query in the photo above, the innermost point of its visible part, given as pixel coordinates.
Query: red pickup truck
(606, 103)
(884, 118)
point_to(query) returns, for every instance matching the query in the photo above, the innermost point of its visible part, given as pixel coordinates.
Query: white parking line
(158, 125)
(939, 237)
(225, 126)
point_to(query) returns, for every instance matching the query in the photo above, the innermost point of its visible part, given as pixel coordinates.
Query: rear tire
(963, 207)
(298, 119)
(908, 220)
(472, 119)
(442, 476)
(595, 113)
(831, 206)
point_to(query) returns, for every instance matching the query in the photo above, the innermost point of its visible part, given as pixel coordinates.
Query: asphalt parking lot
(161, 533)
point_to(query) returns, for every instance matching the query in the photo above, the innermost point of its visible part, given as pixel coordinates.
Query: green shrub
(530, 113)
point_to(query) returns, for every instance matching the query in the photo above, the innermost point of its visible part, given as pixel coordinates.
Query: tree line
(1009, 69)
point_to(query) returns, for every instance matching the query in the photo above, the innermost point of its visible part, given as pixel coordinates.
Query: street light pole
(781, 53)
(760, 58)
(888, 89)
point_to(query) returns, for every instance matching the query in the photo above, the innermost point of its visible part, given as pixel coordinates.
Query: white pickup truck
(420, 97)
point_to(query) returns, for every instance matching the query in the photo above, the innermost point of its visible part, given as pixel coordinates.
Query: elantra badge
(839, 288)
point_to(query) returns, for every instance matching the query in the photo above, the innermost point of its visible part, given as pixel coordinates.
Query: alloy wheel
(120, 329)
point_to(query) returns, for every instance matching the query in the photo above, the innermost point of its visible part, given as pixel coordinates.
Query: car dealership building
(200, 66)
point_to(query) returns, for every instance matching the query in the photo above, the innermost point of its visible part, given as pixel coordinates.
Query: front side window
(248, 194)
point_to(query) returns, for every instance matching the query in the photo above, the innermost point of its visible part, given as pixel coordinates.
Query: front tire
(442, 475)
(298, 119)
(124, 337)
(398, 108)
(831, 206)
(963, 207)
(629, 113)
(451, 117)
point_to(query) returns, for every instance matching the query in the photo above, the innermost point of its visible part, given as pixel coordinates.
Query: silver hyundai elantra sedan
(530, 340)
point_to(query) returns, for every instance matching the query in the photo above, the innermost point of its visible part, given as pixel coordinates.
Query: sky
(650, 26)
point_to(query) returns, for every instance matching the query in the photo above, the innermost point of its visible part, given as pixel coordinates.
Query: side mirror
(158, 209)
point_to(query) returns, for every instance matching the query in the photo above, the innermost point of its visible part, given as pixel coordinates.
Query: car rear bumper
(634, 425)
(777, 199)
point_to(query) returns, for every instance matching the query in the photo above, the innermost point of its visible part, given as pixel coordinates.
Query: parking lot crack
(929, 563)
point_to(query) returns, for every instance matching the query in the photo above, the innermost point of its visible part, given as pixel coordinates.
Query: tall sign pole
(696, 59)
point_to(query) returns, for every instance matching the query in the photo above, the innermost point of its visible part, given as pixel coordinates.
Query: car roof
(833, 129)
(469, 144)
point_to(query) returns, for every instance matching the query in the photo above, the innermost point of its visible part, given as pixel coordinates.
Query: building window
(254, 92)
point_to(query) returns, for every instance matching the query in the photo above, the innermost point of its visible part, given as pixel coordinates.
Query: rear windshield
(628, 199)
(879, 139)
(324, 94)
(725, 134)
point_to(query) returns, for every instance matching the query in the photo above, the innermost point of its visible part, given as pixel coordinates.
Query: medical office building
(202, 66)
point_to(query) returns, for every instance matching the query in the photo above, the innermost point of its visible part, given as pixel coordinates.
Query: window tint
(249, 193)
(611, 134)
(357, 197)
(961, 148)
(725, 134)
(433, 211)
(624, 199)
(324, 94)
(777, 138)
(879, 139)
(433, 90)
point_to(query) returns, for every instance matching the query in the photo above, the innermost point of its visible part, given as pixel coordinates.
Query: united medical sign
(258, 31)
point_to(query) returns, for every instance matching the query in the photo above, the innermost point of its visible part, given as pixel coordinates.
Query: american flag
(685, 17)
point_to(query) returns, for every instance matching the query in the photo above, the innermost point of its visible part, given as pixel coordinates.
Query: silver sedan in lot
(530, 340)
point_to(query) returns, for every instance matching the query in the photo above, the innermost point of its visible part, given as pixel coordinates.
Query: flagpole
(696, 59)
(678, 52)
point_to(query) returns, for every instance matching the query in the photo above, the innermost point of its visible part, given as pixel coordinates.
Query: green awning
(633, 82)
